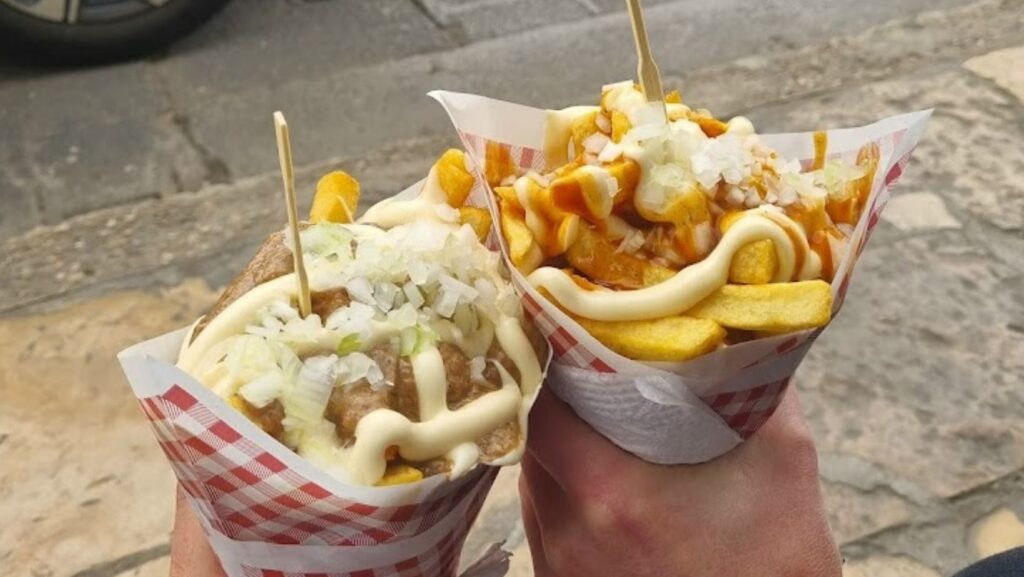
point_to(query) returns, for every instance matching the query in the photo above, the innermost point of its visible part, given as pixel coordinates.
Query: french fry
(336, 199)
(780, 308)
(508, 198)
(477, 218)
(868, 157)
(584, 192)
(598, 259)
(526, 255)
(620, 125)
(498, 163)
(710, 125)
(566, 234)
(582, 128)
(753, 264)
(398, 474)
(666, 339)
(455, 180)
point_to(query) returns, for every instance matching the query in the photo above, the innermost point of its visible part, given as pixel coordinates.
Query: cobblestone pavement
(915, 394)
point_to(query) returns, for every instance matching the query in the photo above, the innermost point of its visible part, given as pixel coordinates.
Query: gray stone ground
(130, 193)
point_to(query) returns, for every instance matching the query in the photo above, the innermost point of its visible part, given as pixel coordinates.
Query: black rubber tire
(28, 38)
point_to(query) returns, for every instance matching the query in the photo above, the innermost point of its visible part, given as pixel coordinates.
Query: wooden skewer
(284, 153)
(647, 70)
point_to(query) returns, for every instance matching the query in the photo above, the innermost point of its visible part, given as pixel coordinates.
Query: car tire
(30, 38)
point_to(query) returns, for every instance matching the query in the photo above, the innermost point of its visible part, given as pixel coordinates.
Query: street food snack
(416, 359)
(667, 233)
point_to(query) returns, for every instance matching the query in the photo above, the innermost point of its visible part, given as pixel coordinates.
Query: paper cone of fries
(269, 511)
(675, 412)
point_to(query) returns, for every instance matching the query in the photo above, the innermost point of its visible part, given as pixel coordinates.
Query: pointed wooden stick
(647, 70)
(284, 152)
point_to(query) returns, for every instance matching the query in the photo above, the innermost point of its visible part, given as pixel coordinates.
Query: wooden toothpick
(647, 70)
(284, 152)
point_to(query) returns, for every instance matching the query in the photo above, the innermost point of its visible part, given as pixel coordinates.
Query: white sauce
(690, 285)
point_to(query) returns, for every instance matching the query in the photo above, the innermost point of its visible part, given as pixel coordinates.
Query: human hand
(191, 554)
(590, 508)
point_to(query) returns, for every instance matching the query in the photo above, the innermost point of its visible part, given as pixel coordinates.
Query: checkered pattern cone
(270, 513)
(675, 413)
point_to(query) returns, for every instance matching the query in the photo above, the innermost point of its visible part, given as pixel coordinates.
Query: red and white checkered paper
(690, 412)
(270, 513)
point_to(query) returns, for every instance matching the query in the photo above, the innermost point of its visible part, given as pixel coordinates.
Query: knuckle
(612, 512)
(800, 456)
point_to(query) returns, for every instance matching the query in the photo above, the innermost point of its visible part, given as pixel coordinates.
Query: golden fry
(398, 474)
(455, 180)
(599, 259)
(508, 198)
(526, 255)
(336, 199)
(498, 163)
(710, 125)
(781, 307)
(754, 264)
(580, 192)
(478, 218)
(582, 128)
(620, 125)
(666, 339)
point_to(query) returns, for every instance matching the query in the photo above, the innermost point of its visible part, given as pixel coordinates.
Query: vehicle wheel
(77, 31)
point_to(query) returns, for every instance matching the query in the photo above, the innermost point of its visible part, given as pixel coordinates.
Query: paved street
(131, 193)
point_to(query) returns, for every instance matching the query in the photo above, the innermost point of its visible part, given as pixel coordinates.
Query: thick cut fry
(336, 199)
(582, 128)
(455, 180)
(620, 125)
(588, 191)
(754, 264)
(781, 307)
(711, 126)
(526, 255)
(477, 218)
(398, 474)
(508, 198)
(667, 339)
(566, 234)
(598, 259)
(498, 163)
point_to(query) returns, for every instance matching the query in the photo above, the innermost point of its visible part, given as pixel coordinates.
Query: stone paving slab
(83, 483)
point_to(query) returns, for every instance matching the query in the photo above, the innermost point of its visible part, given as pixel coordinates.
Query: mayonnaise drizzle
(690, 285)
(392, 212)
